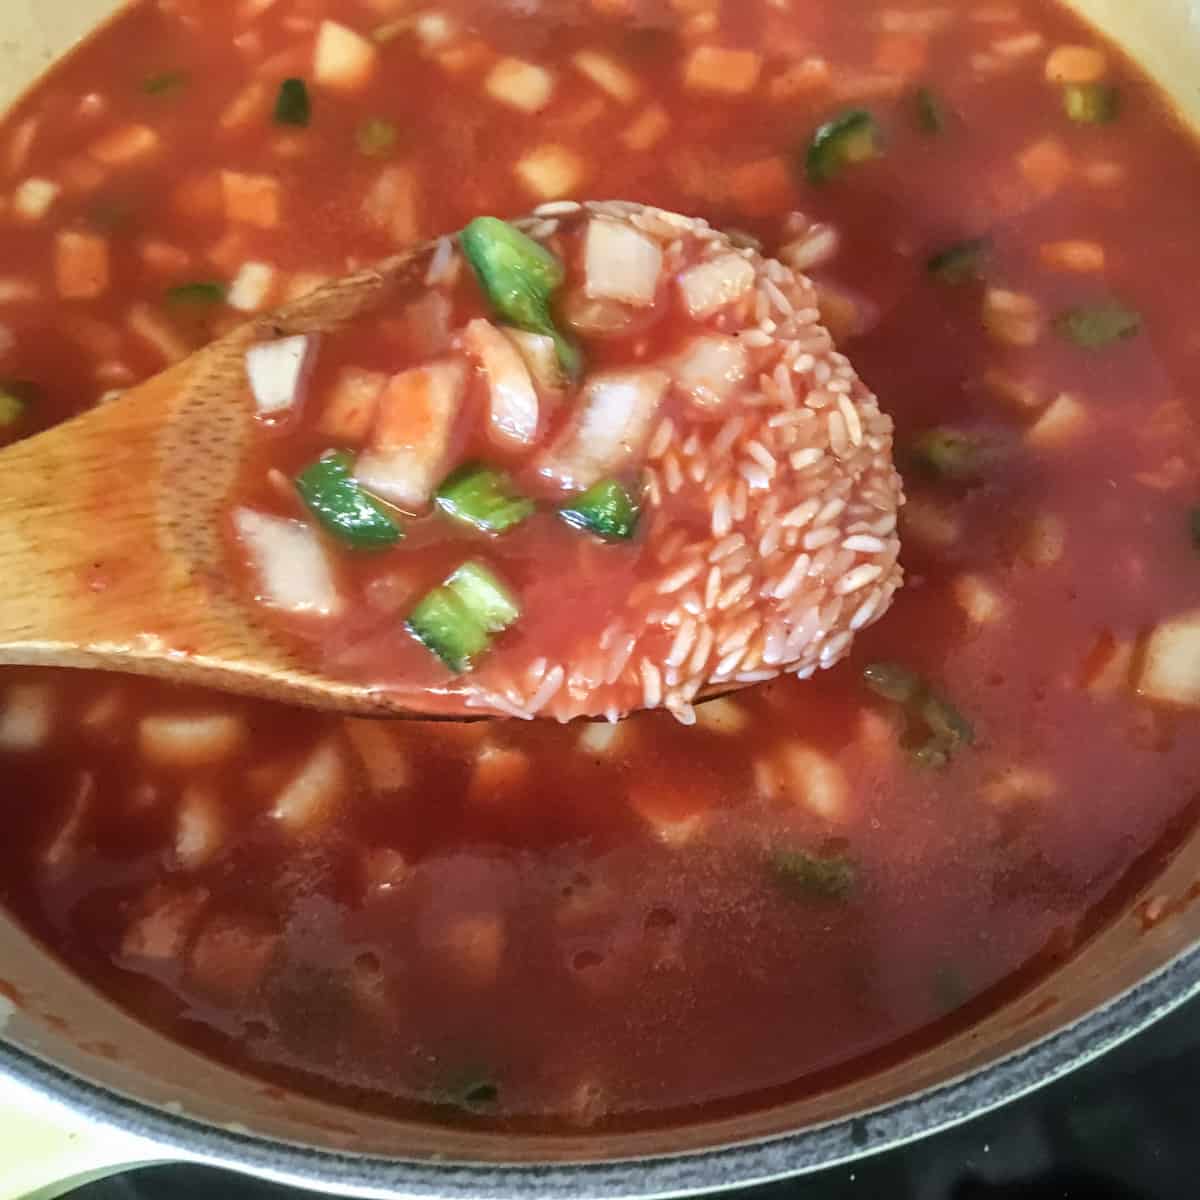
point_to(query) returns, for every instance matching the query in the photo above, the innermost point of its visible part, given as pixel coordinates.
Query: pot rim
(716, 1169)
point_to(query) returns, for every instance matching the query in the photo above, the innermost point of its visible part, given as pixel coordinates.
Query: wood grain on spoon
(110, 525)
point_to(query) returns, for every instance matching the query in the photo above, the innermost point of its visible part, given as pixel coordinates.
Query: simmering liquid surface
(527, 922)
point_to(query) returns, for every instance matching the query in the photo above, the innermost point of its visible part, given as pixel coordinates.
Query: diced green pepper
(947, 725)
(606, 509)
(456, 620)
(164, 83)
(292, 105)
(893, 682)
(934, 729)
(948, 454)
(17, 397)
(853, 137)
(1095, 326)
(1092, 103)
(486, 598)
(814, 877)
(960, 263)
(198, 294)
(376, 137)
(484, 497)
(442, 624)
(343, 507)
(1194, 526)
(519, 277)
(931, 112)
(474, 1089)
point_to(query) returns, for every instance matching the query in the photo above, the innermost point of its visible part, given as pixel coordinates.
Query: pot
(87, 1091)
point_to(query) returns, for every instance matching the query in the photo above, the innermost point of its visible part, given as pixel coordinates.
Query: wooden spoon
(110, 525)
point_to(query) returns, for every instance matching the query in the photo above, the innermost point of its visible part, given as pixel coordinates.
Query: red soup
(613, 922)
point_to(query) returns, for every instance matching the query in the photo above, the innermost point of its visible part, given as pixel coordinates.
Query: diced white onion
(313, 790)
(712, 285)
(278, 371)
(710, 369)
(513, 403)
(293, 570)
(540, 355)
(611, 427)
(620, 263)
(342, 58)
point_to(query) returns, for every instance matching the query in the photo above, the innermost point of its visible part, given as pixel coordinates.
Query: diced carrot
(409, 443)
(1046, 165)
(1079, 256)
(164, 257)
(763, 186)
(198, 197)
(350, 409)
(81, 265)
(719, 69)
(126, 145)
(251, 199)
(902, 53)
(647, 129)
(406, 415)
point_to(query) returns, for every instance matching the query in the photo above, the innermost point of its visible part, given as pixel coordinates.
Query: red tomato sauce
(541, 925)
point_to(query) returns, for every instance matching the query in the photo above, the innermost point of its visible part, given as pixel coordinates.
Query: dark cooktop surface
(1125, 1128)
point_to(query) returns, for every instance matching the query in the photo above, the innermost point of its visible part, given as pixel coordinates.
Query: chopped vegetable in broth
(544, 926)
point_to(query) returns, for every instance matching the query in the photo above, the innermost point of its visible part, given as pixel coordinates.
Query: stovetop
(1124, 1128)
